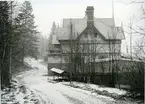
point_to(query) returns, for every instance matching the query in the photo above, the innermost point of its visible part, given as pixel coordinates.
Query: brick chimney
(90, 15)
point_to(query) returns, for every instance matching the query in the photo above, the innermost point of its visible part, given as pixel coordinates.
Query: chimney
(90, 15)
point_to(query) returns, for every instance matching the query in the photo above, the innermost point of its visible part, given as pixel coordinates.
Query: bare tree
(134, 73)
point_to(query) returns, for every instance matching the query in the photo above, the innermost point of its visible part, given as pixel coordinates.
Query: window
(86, 35)
(90, 17)
(95, 35)
(102, 56)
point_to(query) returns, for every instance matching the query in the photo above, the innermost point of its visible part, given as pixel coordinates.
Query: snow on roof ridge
(71, 18)
(103, 18)
(85, 17)
(103, 25)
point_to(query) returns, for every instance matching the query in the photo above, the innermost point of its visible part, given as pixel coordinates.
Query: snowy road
(56, 93)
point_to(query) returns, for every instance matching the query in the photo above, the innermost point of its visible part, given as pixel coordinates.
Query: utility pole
(71, 50)
(113, 11)
(131, 37)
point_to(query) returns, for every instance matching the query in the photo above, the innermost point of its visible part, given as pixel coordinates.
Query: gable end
(91, 30)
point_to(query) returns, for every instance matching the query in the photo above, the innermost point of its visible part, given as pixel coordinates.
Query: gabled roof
(63, 33)
(105, 26)
(78, 25)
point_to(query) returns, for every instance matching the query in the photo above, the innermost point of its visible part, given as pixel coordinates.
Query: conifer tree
(5, 42)
(28, 31)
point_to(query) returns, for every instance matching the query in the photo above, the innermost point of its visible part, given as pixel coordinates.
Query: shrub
(135, 79)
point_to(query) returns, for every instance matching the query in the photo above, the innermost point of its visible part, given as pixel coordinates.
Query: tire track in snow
(78, 96)
(73, 100)
(43, 97)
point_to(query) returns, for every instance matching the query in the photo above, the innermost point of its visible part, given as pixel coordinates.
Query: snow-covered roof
(78, 25)
(104, 25)
(59, 71)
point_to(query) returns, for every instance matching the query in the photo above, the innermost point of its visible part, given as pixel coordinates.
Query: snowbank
(18, 94)
(96, 88)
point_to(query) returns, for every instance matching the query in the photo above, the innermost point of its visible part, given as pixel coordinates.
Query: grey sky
(47, 11)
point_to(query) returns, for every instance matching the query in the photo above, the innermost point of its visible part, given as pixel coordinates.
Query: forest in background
(19, 38)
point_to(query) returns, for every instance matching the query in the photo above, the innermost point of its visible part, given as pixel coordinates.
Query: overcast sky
(47, 11)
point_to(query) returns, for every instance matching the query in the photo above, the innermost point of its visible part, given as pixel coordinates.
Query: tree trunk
(5, 66)
(22, 54)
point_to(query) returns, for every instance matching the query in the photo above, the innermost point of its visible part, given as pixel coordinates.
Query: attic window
(95, 35)
(85, 35)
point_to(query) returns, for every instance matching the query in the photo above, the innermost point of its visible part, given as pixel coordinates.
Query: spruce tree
(28, 31)
(5, 42)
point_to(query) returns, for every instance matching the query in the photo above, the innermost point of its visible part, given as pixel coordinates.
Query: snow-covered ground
(18, 94)
(96, 87)
(60, 93)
